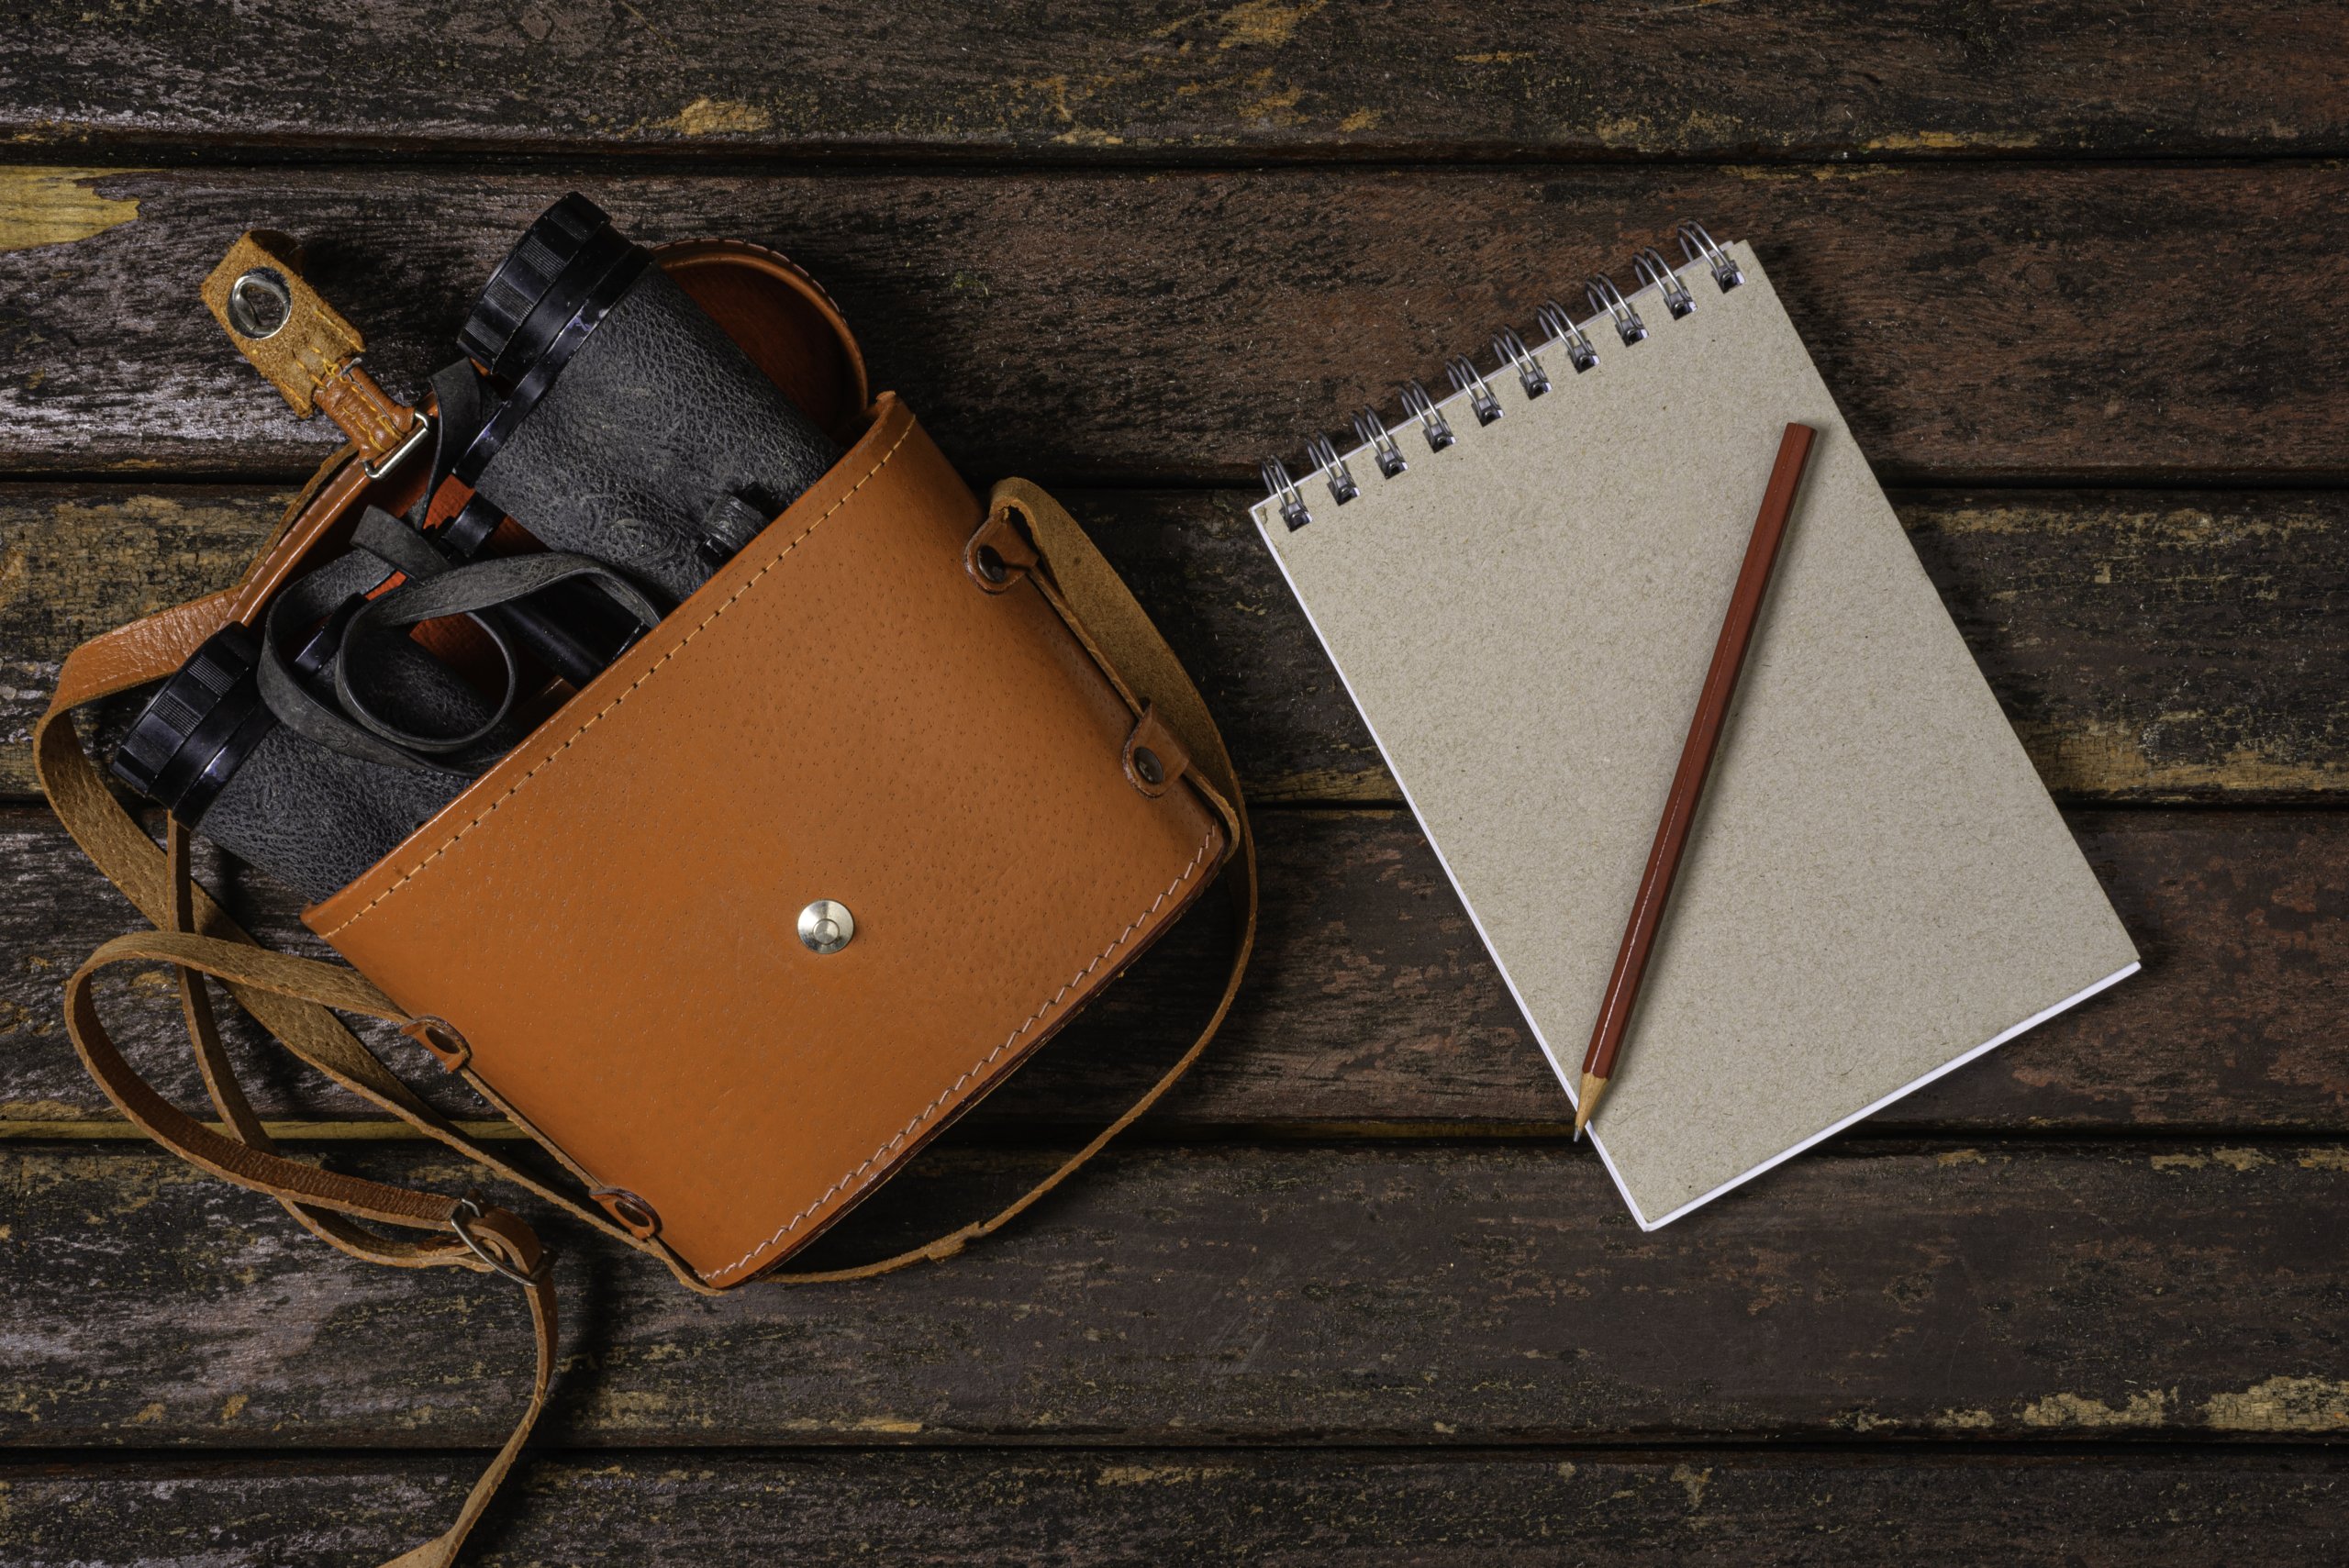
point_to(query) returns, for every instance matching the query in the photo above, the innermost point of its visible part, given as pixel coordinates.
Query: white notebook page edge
(1263, 513)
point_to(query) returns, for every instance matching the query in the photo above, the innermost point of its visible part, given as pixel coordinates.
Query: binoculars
(600, 410)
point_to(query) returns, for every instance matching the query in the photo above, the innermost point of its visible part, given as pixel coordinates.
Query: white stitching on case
(974, 1069)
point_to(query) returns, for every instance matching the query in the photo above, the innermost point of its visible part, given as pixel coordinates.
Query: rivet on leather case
(1154, 759)
(998, 554)
(635, 1215)
(825, 926)
(440, 1036)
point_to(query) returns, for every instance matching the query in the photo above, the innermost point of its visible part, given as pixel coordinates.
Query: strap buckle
(393, 459)
(458, 1222)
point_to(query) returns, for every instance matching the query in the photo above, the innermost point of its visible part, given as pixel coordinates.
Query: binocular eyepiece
(599, 408)
(210, 750)
(195, 732)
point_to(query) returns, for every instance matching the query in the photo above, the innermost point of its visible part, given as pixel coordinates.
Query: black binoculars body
(620, 426)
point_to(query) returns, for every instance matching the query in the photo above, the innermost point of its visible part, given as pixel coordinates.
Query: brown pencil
(1696, 761)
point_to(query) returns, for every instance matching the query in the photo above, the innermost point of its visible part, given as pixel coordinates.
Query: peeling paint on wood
(45, 208)
(2283, 1405)
(710, 116)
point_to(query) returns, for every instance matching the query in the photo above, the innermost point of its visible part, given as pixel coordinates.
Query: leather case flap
(608, 919)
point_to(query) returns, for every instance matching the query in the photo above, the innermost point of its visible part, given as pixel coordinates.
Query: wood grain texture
(1147, 1508)
(1165, 79)
(1373, 1008)
(1345, 1300)
(78, 560)
(2067, 324)
(2185, 646)
(1458, 1295)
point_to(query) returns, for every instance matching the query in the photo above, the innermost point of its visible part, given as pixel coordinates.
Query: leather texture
(607, 916)
(311, 357)
(315, 819)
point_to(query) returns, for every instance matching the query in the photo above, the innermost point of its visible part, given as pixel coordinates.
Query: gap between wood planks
(1633, 1449)
(2242, 1147)
(127, 154)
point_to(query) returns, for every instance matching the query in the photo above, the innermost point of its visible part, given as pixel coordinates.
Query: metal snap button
(990, 563)
(1148, 768)
(826, 927)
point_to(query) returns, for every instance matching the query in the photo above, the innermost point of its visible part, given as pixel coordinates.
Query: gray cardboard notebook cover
(1878, 888)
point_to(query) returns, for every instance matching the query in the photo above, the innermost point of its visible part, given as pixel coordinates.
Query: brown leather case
(603, 927)
(606, 919)
(885, 701)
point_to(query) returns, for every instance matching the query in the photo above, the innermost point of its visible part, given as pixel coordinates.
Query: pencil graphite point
(1592, 1086)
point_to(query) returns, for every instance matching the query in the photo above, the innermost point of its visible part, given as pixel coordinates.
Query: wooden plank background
(1356, 1507)
(1163, 81)
(2151, 646)
(1225, 314)
(2073, 272)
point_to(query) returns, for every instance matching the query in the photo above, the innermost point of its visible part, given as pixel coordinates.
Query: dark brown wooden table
(2076, 271)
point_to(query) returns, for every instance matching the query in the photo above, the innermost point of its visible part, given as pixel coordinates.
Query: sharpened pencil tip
(1587, 1103)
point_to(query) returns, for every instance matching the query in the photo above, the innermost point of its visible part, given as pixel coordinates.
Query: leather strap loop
(385, 548)
(1153, 755)
(998, 554)
(121, 850)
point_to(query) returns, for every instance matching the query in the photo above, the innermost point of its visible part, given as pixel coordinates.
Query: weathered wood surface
(2139, 322)
(1374, 1009)
(1374, 1003)
(1347, 1299)
(1456, 1295)
(1145, 1508)
(2181, 646)
(1267, 78)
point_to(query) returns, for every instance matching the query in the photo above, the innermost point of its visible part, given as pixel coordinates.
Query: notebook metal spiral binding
(1510, 350)
(1605, 298)
(1698, 246)
(1421, 407)
(1557, 329)
(1656, 272)
(1283, 488)
(1466, 378)
(1373, 432)
(1560, 328)
(1322, 455)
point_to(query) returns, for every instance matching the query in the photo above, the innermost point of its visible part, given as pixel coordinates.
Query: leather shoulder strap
(292, 997)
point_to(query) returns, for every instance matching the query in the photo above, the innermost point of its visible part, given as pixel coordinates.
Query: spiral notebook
(1521, 583)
